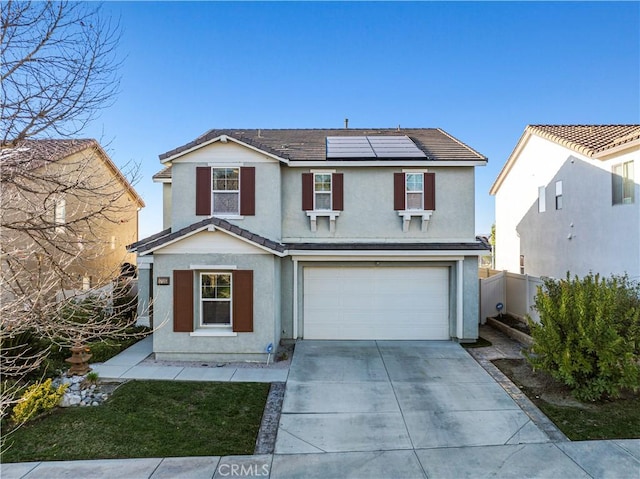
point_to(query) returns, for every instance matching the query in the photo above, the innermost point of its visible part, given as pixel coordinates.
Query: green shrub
(37, 399)
(589, 335)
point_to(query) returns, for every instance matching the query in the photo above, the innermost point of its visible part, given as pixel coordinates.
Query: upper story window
(414, 191)
(622, 184)
(322, 191)
(414, 188)
(226, 191)
(322, 196)
(542, 199)
(558, 195)
(59, 214)
(414, 194)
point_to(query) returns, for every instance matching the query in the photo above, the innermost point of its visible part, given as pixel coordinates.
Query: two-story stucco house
(567, 200)
(63, 200)
(314, 234)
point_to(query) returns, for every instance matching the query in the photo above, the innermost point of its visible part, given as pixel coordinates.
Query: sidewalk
(127, 365)
(562, 459)
(567, 460)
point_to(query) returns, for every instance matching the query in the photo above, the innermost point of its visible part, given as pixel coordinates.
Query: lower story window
(215, 299)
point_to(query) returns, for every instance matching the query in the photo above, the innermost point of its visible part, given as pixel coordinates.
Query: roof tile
(588, 139)
(310, 144)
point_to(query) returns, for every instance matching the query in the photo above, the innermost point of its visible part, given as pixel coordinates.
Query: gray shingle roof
(310, 144)
(162, 175)
(32, 154)
(37, 153)
(167, 236)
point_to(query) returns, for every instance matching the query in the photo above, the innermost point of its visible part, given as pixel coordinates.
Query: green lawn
(148, 419)
(615, 419)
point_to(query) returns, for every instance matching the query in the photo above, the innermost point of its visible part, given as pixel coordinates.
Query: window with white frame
(542, 200)
(622, 184)
(322, 191)
(226, 191)
(414, 191)
(59, 214)
(558, 195)
(215, 299)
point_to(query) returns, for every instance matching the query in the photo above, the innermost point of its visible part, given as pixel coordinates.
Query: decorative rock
(95, 403)
(74, 399)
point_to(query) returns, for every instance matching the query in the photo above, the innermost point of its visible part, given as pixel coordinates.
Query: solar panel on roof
(395, 147)
(349, 147)
(372, 147)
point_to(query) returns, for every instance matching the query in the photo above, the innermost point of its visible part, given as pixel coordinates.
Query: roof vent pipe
(346, 123)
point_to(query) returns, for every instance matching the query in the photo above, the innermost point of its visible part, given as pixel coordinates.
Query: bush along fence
(588, 335)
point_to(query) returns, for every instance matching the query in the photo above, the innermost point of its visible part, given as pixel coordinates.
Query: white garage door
(376, 303)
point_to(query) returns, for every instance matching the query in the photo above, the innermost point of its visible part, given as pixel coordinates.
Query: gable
(210, 242)
(223, 150)
(597, 142)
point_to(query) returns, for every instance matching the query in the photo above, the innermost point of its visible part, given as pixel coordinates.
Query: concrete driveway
(347, 396)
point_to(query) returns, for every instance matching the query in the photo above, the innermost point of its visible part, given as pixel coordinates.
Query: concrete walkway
(588, 459)
(417, 453)
(128, 365)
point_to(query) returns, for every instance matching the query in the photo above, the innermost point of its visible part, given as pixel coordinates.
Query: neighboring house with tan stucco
(568, 199)
(66, 199)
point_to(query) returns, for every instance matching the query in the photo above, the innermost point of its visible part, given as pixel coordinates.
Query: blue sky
(481, 71)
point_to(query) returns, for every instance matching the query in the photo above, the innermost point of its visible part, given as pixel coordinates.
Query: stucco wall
(266, 221)
(245, 346)
(587, 234)
(166, 205)
(368, 207)
(471, 299)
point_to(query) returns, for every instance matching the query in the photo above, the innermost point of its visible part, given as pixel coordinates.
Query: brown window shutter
(307, 191)
(248, 191)
(203, 191)
(183, 301)
(337, 187)
(243, 301)
(398, 191)
(429, 191)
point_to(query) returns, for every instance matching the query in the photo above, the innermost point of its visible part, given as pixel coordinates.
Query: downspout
(459, 299)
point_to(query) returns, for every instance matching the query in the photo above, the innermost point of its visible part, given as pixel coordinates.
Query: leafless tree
(58, 69)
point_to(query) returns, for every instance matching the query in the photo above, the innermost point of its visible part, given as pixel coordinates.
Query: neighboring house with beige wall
(67, 199)
(568, 199)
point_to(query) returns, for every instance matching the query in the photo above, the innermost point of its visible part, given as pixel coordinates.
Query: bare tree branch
(59, 68)
(58, 212)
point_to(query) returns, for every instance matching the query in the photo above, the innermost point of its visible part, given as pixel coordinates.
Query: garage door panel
(376, 303)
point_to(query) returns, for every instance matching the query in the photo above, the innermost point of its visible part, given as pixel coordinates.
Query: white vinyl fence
(516, 292)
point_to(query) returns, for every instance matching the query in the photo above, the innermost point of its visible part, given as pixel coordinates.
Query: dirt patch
(537, 384)
(514, 323)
